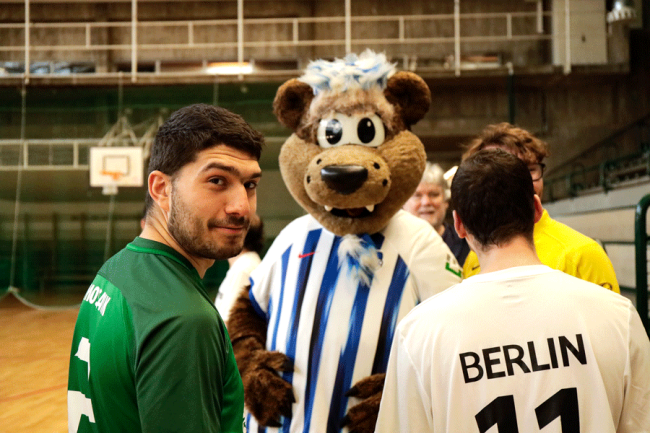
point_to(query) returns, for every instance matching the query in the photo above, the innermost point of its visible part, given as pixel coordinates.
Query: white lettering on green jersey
(91, 296)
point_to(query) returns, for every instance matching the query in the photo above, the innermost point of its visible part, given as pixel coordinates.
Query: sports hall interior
(82, 74)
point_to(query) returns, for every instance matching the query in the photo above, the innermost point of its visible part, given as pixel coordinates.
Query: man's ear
(458, 225)
(291, 101)
(160, 187)
(539, 210)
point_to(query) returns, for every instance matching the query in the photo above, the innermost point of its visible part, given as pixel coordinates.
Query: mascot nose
(344, 179)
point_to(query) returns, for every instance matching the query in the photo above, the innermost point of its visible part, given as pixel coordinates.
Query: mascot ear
(291, 102)
(410, 94)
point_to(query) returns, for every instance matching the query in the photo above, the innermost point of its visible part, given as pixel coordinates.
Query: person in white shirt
(519, 346)
(240, 268)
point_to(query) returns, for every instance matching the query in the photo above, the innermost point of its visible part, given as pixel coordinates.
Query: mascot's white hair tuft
(365, 71)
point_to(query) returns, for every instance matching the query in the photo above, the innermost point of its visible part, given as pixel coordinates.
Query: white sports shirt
(336, 330)
(527, 349)
(237, 277)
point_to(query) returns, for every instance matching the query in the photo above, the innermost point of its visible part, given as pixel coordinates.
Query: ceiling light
(229, 68)
(622, 11)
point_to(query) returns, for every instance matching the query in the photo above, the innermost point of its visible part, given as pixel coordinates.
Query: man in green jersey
(150, 352)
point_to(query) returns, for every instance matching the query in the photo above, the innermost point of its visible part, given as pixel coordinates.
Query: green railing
(603, 176)
(623, 156)
(641, 258)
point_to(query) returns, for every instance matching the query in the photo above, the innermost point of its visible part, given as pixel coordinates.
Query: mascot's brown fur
(394, 168)
(349, 188)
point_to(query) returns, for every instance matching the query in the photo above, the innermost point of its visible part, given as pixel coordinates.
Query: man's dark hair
(493, 196)
(197, 127)
(254, 240)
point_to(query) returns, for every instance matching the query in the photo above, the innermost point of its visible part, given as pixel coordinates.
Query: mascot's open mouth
(357, 212)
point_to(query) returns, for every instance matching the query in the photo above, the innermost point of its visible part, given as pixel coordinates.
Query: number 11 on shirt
(501, 411)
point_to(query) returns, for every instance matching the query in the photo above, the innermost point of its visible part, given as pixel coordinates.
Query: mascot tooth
(313, 332)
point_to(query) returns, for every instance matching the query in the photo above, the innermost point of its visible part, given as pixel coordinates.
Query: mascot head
(352, 161)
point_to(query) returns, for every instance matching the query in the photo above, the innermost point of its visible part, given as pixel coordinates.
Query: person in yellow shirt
(558, 246)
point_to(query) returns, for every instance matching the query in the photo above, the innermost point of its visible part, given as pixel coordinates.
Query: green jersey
(150, 353)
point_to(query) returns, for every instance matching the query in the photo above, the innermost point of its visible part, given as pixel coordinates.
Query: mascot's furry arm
(266, 395)
(362, 417)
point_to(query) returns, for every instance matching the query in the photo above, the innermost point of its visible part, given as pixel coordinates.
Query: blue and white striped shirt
(336, 329)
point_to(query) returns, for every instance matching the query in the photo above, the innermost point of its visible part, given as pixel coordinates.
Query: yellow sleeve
(471, 266)
(590, 263)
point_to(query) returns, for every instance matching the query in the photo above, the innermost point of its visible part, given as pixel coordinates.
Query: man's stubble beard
(192, 234)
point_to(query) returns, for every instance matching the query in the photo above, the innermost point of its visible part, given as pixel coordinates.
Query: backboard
(112, 167)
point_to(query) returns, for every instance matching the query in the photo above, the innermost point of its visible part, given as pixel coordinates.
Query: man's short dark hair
(254, 240)
(493, 196)
(519, 141)
(197, 127)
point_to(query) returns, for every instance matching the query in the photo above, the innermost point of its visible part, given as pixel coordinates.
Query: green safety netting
(55, 230)
(48, 274)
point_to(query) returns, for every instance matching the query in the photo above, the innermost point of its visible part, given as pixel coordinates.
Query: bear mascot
(313, 332)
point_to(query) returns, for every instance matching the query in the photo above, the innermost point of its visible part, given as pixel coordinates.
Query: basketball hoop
(111, 189)
(116, 175)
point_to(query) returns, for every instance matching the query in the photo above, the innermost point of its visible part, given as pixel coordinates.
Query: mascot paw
(362, 417)
(267, 395)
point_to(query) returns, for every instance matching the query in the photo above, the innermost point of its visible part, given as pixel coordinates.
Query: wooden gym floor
(34, 354)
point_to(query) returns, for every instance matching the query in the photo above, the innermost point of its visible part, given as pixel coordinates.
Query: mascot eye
(334, 131)
(341, 129)
(371, 131)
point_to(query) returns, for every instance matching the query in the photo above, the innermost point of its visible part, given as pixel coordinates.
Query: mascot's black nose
(344, 179)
